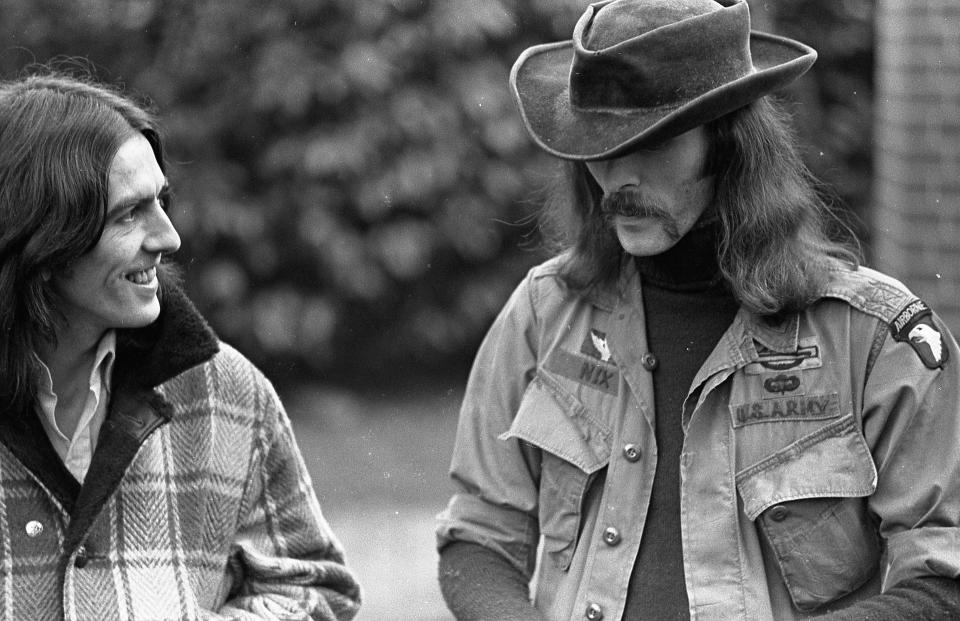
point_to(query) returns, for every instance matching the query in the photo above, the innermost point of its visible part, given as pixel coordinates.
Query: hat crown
(649, 53)
(615, 22)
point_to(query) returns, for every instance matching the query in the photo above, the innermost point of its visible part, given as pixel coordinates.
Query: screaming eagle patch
(914, 325)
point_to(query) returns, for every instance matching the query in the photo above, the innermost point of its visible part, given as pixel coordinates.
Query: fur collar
(179, 340)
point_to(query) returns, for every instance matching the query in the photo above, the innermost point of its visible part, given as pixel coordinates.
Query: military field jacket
(820, 464)
(197, 504)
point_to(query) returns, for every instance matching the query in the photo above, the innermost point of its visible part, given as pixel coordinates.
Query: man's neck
(70, 361)
(72, 353)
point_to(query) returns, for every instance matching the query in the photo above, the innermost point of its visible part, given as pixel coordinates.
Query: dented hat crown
(637, 71)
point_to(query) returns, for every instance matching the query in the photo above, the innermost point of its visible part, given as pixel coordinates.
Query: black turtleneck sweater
(687, 307)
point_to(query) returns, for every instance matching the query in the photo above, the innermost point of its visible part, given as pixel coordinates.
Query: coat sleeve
(496, 480)
(285, 562)
(912, 422)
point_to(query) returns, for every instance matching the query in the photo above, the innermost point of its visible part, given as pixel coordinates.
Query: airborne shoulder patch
(914, 325)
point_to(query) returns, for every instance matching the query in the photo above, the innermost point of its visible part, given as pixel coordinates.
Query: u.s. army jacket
(819, 464)
(197, 504)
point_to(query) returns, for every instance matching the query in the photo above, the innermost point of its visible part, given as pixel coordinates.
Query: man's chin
(143, 317)
(643, 239)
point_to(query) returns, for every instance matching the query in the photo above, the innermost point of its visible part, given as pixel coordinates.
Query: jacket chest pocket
(808, 500)
(574, 448)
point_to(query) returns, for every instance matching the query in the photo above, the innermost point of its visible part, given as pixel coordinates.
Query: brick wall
(917, 150)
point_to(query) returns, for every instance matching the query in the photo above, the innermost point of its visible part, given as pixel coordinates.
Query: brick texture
(917, 150)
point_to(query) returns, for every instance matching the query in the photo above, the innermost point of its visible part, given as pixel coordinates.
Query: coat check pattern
(197, 503)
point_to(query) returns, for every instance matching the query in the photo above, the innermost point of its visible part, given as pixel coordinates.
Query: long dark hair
(58, 137)
(777, 243)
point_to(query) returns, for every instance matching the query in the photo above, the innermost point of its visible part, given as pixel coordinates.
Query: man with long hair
(147, 470)
(702, 407)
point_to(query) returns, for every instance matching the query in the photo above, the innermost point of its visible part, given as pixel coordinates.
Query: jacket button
(34, 528)
(594, 612)
(81, 561)
(631, 452)
(649, 361)
(779, 513)
(611, 536)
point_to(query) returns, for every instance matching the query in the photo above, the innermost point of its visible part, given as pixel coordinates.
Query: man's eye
(166, 200)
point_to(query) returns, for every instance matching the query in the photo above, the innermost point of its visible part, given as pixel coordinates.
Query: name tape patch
(591, 372)
(798, 408)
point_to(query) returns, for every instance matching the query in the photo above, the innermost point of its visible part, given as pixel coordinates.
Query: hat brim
(540, 84)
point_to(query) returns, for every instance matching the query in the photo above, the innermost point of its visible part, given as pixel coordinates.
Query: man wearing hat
(702, 407)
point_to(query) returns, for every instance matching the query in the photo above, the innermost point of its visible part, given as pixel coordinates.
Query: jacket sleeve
(285, 562)
(918, 599)
(496, 499)
(911, 420)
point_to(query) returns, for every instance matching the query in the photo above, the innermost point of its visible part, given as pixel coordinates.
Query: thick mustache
(629, 201)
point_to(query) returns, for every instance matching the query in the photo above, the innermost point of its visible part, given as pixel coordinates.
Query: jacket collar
(608, 295)
(779, 334)
(178, 340)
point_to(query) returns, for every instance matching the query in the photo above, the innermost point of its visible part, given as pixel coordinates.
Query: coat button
(81, 561)
(611, 536)
(779, 513)
(649, 361)
(34, 528)
(631, 452)
(594, 612)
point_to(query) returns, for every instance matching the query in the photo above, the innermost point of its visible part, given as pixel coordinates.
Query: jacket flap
(833, 461)
(556, 421)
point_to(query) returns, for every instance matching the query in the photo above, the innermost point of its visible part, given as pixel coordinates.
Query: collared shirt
(819, 463)
(77, 450)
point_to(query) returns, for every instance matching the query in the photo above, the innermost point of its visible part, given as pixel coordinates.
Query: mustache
(629, 201)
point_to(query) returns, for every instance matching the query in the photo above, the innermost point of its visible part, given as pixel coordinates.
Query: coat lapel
(133, 416)
(25, 437)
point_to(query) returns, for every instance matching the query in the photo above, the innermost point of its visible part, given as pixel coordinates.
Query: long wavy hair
(58, 137)
(778, 238)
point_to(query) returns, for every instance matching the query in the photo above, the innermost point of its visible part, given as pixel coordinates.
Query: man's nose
(162, 236)
(611, 175)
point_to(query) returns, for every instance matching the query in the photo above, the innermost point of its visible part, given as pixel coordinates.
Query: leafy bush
(354, 186)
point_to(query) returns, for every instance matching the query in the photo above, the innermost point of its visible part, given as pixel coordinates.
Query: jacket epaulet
(909, 319)
(871, 292)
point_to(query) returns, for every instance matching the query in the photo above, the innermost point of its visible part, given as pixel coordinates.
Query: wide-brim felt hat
(638, 72)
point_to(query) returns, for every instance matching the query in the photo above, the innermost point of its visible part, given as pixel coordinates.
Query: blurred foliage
(354, 186)
(835, 115)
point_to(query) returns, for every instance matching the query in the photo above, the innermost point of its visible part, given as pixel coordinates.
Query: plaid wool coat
(197, 504)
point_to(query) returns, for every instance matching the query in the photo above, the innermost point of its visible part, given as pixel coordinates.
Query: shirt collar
(103, 360)
(100, 372)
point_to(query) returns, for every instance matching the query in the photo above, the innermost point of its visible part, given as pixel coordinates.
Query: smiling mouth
(143, 277)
